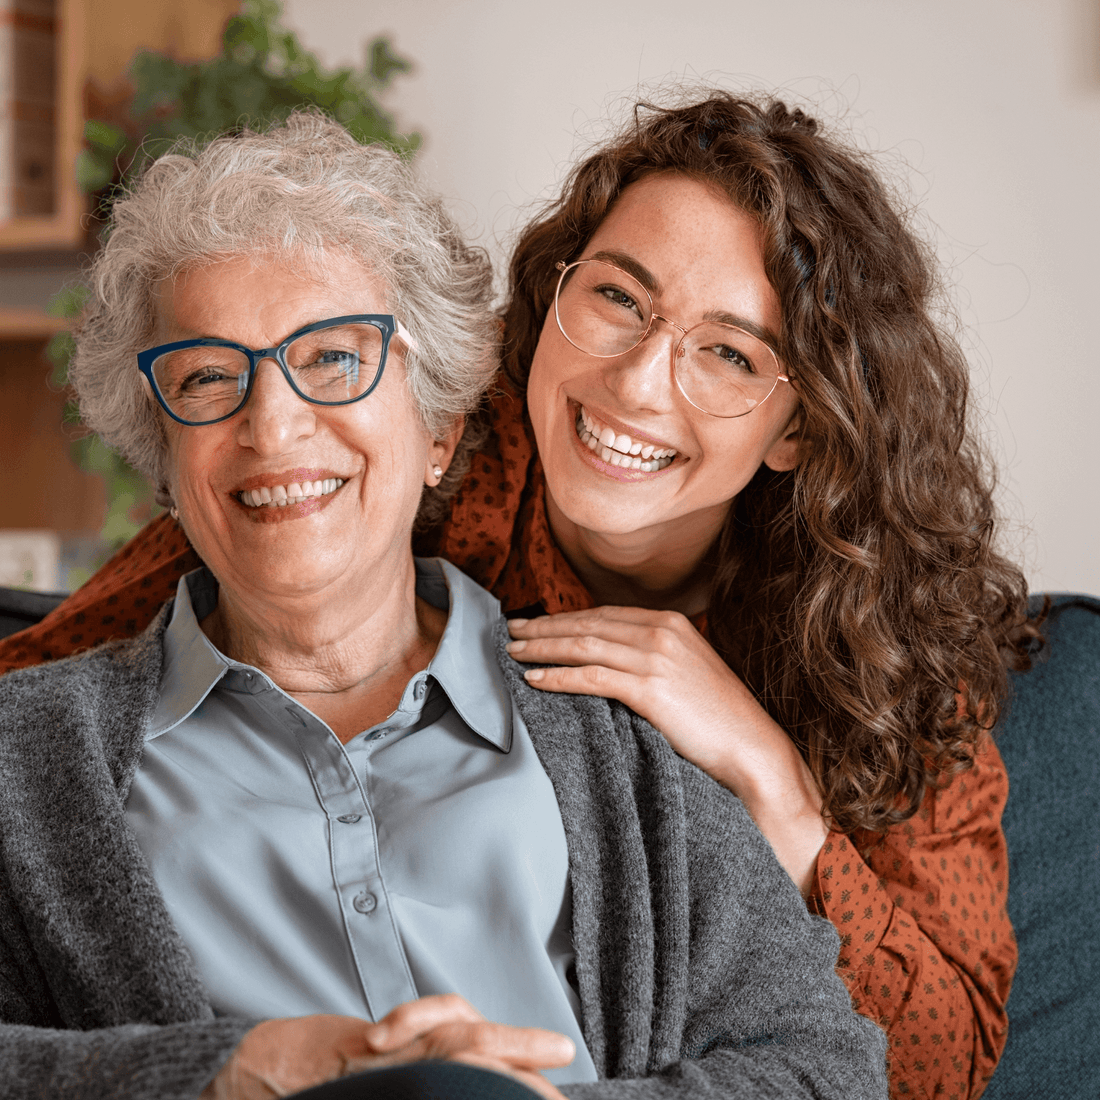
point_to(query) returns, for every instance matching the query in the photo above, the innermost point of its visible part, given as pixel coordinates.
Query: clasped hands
(280, 1057)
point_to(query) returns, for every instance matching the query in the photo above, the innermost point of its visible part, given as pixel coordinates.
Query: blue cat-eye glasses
(333, 362)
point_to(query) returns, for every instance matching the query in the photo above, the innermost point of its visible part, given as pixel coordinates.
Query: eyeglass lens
(719, 368)
(327, 366)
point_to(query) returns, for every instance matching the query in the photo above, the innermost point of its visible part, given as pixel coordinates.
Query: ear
(442, 451)
(789, 449)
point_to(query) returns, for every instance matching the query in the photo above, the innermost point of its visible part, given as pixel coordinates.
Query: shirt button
(349, 819)
(365, 903)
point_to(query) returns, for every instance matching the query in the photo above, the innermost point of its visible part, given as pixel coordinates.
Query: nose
(642, 377)
(275, 419)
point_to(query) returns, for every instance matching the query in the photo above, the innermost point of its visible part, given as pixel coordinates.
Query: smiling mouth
(279, 496)
(620, 450)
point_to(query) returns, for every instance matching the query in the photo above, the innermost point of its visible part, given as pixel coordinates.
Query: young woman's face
(702, 259)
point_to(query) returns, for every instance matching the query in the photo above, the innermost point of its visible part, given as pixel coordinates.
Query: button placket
(375, 946)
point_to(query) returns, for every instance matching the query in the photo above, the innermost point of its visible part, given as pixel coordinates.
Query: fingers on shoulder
(592, 679)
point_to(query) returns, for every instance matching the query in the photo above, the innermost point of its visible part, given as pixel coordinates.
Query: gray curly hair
(298, 189)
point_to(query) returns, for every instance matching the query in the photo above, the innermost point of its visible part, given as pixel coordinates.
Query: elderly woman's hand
(280, 1057)
(659, 665)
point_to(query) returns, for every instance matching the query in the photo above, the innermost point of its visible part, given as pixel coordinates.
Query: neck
(348, 660)
(660, 568)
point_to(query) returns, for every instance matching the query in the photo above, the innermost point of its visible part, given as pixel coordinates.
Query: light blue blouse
(426, 855)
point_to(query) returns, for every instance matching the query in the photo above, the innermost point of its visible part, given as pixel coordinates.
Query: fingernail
(515, 647)
(517, 622)
(533, 675)
(567, 1048)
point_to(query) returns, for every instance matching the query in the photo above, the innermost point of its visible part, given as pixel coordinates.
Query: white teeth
(279, 496)
(620, 450)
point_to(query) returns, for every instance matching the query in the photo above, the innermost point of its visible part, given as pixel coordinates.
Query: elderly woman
(313, 819)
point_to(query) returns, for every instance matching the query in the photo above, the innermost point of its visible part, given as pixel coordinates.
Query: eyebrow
(650, 281)
(631, 267)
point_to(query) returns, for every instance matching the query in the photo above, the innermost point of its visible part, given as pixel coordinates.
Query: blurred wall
(987, 113)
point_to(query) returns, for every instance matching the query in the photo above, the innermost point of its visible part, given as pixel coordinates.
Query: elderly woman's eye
(328, 373)
(336, 358)
(205, 379)
(330, 364)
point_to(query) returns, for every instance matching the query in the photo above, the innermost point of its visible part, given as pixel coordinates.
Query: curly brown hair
(859, 596)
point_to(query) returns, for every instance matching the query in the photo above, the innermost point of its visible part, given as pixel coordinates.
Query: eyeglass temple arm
(410, 340)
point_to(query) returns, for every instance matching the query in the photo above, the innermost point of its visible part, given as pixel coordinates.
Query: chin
(594, 512)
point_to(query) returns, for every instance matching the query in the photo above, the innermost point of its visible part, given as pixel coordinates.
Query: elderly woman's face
(378, 448)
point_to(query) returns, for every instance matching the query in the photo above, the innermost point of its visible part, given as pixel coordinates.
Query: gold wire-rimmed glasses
(721, 369)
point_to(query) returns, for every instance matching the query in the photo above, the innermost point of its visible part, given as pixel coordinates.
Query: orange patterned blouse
(926, 945)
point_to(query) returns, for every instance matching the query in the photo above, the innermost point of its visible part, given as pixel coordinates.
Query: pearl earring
(174, 513)
(437, 472)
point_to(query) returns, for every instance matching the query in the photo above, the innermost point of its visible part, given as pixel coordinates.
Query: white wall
(987, 110)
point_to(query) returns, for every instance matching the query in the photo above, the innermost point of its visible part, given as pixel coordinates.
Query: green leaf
(102, 135)
(68, 301)
(94, 170)
(384, 63)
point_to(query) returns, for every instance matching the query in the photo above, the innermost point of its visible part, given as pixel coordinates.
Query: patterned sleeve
(118, 602)
(927, 949)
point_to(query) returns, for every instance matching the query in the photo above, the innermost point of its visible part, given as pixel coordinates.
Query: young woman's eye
(617, 296)
(732, 357)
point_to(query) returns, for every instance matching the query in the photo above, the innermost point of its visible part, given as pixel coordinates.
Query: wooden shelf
(62, 228)
(29, 324)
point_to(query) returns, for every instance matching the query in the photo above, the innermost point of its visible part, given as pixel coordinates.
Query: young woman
(730, 456)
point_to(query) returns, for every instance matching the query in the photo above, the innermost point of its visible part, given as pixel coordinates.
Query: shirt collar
(192, 664)
(464, 665)
(465, 662)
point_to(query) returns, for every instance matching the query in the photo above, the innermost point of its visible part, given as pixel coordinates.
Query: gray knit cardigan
(701, 973)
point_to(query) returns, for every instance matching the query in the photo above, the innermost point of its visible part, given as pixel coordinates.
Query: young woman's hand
(280, 1057)
(659, 665)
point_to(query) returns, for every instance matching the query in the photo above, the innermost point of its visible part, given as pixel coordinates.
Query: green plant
(262, 74)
